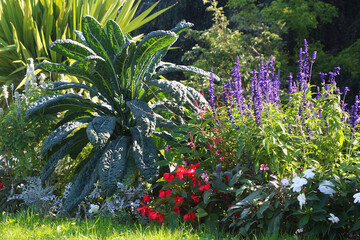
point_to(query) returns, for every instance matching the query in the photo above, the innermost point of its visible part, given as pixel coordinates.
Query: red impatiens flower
(189, 216)
(192, 170)
(1, 185)
(156, 216)
(180, 172)
(195, 181)
(164, 193)
(178, 200)
(176, 209)
(204, 187)
(195, 198)
(147, 198)
(168, 177)
(144, 209)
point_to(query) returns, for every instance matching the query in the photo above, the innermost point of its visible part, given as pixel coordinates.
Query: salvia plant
(129, 103)
(292, 128)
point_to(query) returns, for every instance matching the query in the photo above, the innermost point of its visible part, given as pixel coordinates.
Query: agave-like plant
(27, 27)
(123, 78)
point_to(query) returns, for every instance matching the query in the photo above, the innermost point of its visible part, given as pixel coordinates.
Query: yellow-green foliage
(28, 27)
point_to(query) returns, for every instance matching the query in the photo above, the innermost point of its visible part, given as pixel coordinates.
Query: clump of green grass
(26, 225)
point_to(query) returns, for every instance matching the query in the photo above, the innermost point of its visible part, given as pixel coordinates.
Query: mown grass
(32, 226)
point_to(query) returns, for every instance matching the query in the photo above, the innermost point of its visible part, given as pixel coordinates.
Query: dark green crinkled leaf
(63, 69)
(152, 43)
(115, 35)
(113, 164)
(131, 171)
(71, 49)
(60, 133)
(80, 35)
(180, 68)
(68, 85)
(144, 116)
(96, 38)
(169, 106)
(145, 155)
(182, 26)
(49, 101)
(71, 116)
(100, 129)
(56, 156)
(83, 183)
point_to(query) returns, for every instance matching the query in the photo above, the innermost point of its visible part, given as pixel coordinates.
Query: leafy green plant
(28, 27)
(219, 45)
(118, 120)
(312, 204)
(20, 137)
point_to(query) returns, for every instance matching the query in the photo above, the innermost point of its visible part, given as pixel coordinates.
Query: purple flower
(211, 91)
(257, 99)
(227, 103)
(236, 75)
(313, 57)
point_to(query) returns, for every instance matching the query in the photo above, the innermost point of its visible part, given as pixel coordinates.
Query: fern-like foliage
(121, 77)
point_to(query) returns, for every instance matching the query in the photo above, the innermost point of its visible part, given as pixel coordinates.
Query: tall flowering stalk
(236, 75)
(211, 91)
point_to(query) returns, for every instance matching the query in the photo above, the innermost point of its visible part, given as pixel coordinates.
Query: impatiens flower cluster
(154, 215)
(189, 216)
(182, 191)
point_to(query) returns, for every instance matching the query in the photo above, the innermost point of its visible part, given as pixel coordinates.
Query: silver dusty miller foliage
(42, 199)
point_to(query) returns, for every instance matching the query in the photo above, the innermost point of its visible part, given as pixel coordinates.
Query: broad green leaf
(60, 133)
(145, 155)
(113, 163)
(83, 182)
(71, 49)
(100, 129)
(116, 36)
(144, 116)
(96, 38)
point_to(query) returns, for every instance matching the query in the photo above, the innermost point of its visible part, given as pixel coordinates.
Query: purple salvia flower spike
(211, 91)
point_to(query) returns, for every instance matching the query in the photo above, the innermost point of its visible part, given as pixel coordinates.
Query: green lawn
(33, 226)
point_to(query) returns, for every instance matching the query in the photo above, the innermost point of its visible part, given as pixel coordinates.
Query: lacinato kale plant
(127, 104)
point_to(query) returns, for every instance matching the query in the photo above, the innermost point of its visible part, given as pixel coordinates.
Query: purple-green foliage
(293, 128)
